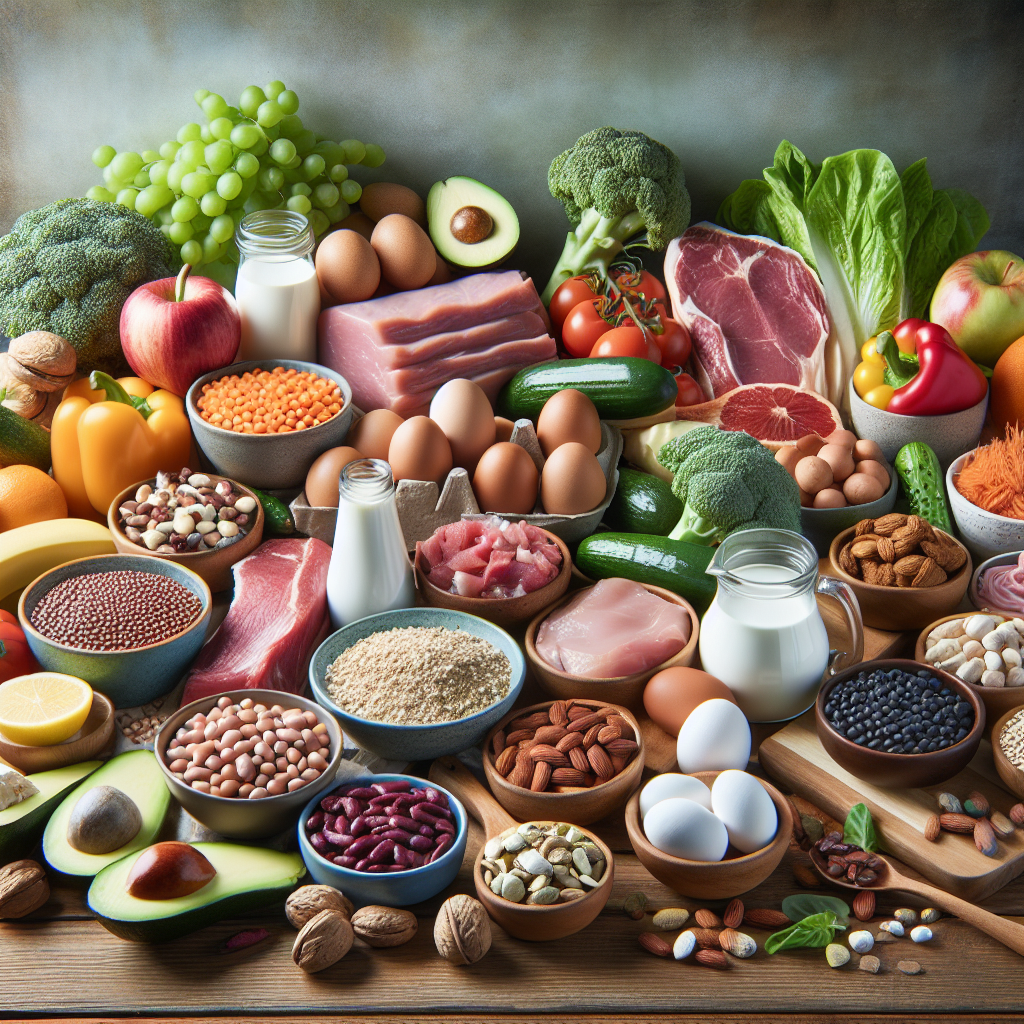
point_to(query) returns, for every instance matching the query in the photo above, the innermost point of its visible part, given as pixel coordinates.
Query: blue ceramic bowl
(396, 889)
(416, 742)
(128, 678)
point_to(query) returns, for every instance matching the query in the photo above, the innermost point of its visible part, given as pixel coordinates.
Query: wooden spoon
(1009, 933)
(451, 773)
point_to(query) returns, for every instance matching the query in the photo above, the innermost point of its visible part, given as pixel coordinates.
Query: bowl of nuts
(199, 520)
(904, 572)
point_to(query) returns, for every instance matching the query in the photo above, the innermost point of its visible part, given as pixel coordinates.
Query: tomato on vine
(689, 392)
(627, 340)
(568, 295)
(643, 281)
(584, 325)
(674, 343)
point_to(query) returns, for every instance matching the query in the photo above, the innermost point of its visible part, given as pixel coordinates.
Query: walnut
(885, 576)
(44, 361)
(323, 941)
(23, 888)
(384, 926)
(309, 900)
(462, 931)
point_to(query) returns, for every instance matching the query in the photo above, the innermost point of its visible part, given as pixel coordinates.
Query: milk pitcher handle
(843, 593)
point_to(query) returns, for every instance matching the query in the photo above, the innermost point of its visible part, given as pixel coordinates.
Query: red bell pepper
(15, 657)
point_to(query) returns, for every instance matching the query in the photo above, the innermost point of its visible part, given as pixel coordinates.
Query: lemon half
(43, 708)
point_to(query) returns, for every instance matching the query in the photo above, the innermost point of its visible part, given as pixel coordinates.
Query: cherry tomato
(627, 340)
(583, 326)
(868, 375)
(568, 295)
(645, 282)
(674, 343)
(16, 659)
(689, 390)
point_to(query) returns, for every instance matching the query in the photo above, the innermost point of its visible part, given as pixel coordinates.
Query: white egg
(746, 809)
(671, 784)
(715, 736)
(683, 828)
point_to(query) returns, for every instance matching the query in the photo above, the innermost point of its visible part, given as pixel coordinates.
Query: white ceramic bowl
(821, 525)
(996, 561)
(984, 533)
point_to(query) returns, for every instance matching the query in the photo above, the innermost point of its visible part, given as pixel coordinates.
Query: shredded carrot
(992, 477)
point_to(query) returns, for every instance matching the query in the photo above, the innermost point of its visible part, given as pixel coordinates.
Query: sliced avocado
(138, 776)
(248, 878)
(22, 824)
(464, 206)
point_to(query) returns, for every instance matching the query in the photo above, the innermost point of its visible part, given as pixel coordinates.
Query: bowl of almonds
(904, 572)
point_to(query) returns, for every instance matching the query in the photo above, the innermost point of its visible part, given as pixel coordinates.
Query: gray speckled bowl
(984, 533)
(416, 742)
(128, 678)
(821, 525)
(270, 461)
(947, 436)
(996, 561)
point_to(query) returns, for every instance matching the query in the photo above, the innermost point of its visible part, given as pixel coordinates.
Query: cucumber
(675, 565)
(643, 504)
(622, 388)
(921, 476)
(22, 442)
(277, 518)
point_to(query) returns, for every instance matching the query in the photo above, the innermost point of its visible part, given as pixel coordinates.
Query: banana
(28, 551)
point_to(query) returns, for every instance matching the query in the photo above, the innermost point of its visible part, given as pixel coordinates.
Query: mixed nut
(901, 551)
(973, 817)
(983, 649)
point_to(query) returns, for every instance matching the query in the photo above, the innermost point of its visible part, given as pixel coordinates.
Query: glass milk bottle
(763, 635)
(276, 289)
(370, 570)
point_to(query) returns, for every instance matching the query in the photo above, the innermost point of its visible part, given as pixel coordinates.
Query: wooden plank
(590, 1018)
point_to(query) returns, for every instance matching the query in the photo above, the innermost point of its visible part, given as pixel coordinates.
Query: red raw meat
(278, 616)
(774, 414)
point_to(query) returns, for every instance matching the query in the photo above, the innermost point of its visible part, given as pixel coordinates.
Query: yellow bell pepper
(107, 435)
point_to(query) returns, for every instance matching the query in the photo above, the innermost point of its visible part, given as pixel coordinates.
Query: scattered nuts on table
(382, 927)
(462, 930)
(864, 905)
(871, 964)
(910, 967)
(893, 928)
(684, 945)
(654, 944)
(713, 958)
(930, 915)
(670, 919)
(906, 916)
(766, 918)
(922, 933)
(861, 941)
(635, 905)
(707, 918)
(837, 955)
(323, 941)
(732, 916)
(737, 944)
(308, 900)
(23, 888)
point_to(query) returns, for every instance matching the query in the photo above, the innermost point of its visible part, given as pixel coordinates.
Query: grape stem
(179, 284)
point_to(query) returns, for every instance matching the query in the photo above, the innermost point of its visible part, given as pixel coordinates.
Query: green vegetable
(643, 504)
(900, 368)
(276, 516)
(614, 185)
(806, 904)
(728, 481)
(859, 829)
(22, 442)
(814, 931)
(921, 478)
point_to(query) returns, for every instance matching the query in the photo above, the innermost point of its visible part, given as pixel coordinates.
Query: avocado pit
(471, 224)
(168, 871)
(104, 820)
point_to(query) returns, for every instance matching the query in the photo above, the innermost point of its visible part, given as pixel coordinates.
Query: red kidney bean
(363, 845)
(345, 861)
(384, 850)
(435, 796)
(421, 843)
(363, 865)
(342, 824)
(427, 814)
(352, 807)
(444, 826)
(332, 804)
(426, 830)
(363, 793)
(376, 820)
(360, 826)
(403, 800)
(381, 801)
(402, 856)
(399, 821)
(317, 820)
(320, 844)
(379, 869)
(339, 839)
(399, 786)
(399, 835)
(444, 843)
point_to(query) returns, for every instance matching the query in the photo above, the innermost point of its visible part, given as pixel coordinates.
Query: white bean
(971, 671)
(993, 679)
(978, 626)
(973, 649)
(947, 630)
(205, 527)
(992, 641)
(942, 650)
(1011, 657)
(228, 529)
(246, 504)
(993, 661)
(952, 664)
(1015, 677)
(152, 539)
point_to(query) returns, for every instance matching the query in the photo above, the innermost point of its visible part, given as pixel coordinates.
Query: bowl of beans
(244, 762)
(384, 839)
(894, 722)
(129, 625)
(264, 422)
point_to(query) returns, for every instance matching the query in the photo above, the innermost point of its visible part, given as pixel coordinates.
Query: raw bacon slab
(278, 616)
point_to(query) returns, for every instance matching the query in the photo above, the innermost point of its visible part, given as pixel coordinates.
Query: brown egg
(462, 410)
(830, 497)
(865, 449)
(671, 694)
(839, 459)
(443, 273)
(846, 438)
(568, 415)
(347, 267)
(358, 222)
(373, 432)
(503, 428)
(385, 197)
(572, 480)
(861, 488)
(420, 451)
(810, 444)
(813, 474)
(506, 480)
(322, 478)
(407, 256)
(806, 500)
(875, 469)
(788, 456)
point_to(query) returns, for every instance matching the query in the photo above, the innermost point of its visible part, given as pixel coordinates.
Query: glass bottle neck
(274, 234)
(366, 482)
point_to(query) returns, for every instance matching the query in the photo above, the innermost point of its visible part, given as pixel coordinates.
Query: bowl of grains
(265, 422)
(1008, 749)
(416, 683)
(129, 625)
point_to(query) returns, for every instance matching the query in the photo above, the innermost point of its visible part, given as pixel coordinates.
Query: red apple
(176, 329)
(980, 301)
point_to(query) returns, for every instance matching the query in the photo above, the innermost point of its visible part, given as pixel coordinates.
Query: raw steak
(755, 311)
(278, 616)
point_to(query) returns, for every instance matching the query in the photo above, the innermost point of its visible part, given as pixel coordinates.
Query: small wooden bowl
(582, 805)
(712, 880)
(92, 739)
(1013, 777)
(508, 611)
(899, 608)
(626, 691)
(212, 564)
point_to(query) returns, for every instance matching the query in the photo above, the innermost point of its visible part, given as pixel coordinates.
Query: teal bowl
(128, 678)
(416, 742)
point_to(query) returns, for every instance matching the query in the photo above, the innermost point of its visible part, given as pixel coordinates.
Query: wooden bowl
(712, 880)
(508, 611)
(626, 691)
(899, 771)
(582, 805)
(523, 920)
(91, 740)
(899, 608)
(1013, 777)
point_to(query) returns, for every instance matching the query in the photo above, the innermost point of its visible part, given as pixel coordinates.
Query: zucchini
(22, 442)
(643, 503)
(277, 519)
(921, 477)
(676, 565)
(622, 388)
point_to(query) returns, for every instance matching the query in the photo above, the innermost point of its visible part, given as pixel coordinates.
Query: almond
(568, 741)
(544, 752)
(531, 722)
(599, 761)
(625, 729)
(608, 733)
(576, 711)
(886, 525)
(621, 746)
(945, 551)
(654, 944)
(579, 760)
(931, 574)
(962, 823)
(517, 735)
(590, 736)
(506, 761)
(864, 905)
(863, 527)
(558, 713)
(733, 914)
(713, 958)
(541, 777)
(498, 743)
(985, 837)
(707, 938)
(909, 565)
(549, 734)
(977, 805)
(737, 944)
(886, 549)
(567, 777)
(522, 774)
(584, 722)
(932, 828)
(707, 918)
(806, 876)
(764, 917)
(1001, 824)
(886, 575)
(1016, 814)
(864, 548)
(847, 562)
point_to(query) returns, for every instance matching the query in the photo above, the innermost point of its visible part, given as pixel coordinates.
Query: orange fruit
(28, 495)
(1006, 403)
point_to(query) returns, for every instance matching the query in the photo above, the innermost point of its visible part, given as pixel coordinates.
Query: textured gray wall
(496, 89)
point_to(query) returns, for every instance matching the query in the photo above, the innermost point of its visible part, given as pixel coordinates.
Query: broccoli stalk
(615, 185)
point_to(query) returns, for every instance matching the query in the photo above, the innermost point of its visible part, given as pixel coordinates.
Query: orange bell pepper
(107, 435)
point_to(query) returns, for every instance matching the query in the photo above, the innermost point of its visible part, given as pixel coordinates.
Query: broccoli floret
(613, 186)
(727, 480)
(68, 267)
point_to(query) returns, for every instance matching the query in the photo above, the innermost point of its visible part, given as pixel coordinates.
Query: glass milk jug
(763, 635)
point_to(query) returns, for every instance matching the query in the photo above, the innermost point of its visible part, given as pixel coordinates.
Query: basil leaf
(806, 904)
(812, 932)
(859, 829)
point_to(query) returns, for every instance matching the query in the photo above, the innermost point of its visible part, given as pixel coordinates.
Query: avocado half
(138, 776)
(23, 824)
(453, 194)
(248, 878)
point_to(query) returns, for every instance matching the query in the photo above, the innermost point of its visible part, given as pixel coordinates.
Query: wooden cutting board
(795, 759)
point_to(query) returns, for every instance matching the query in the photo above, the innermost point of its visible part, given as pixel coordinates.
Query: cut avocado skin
(248, 878)
(136, 774)
(448, 196)
(23, 824)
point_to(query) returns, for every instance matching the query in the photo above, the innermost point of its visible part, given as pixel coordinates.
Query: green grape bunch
(256, 156)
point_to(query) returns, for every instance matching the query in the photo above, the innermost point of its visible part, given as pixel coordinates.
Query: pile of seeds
(1011, 740)
(974, 817)
(418, 675)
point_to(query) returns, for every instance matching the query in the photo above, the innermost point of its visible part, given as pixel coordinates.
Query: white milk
(279, 302)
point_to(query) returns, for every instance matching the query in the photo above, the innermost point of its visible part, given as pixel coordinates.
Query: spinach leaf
(814, 931)
(806, 904)
(859, 829)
